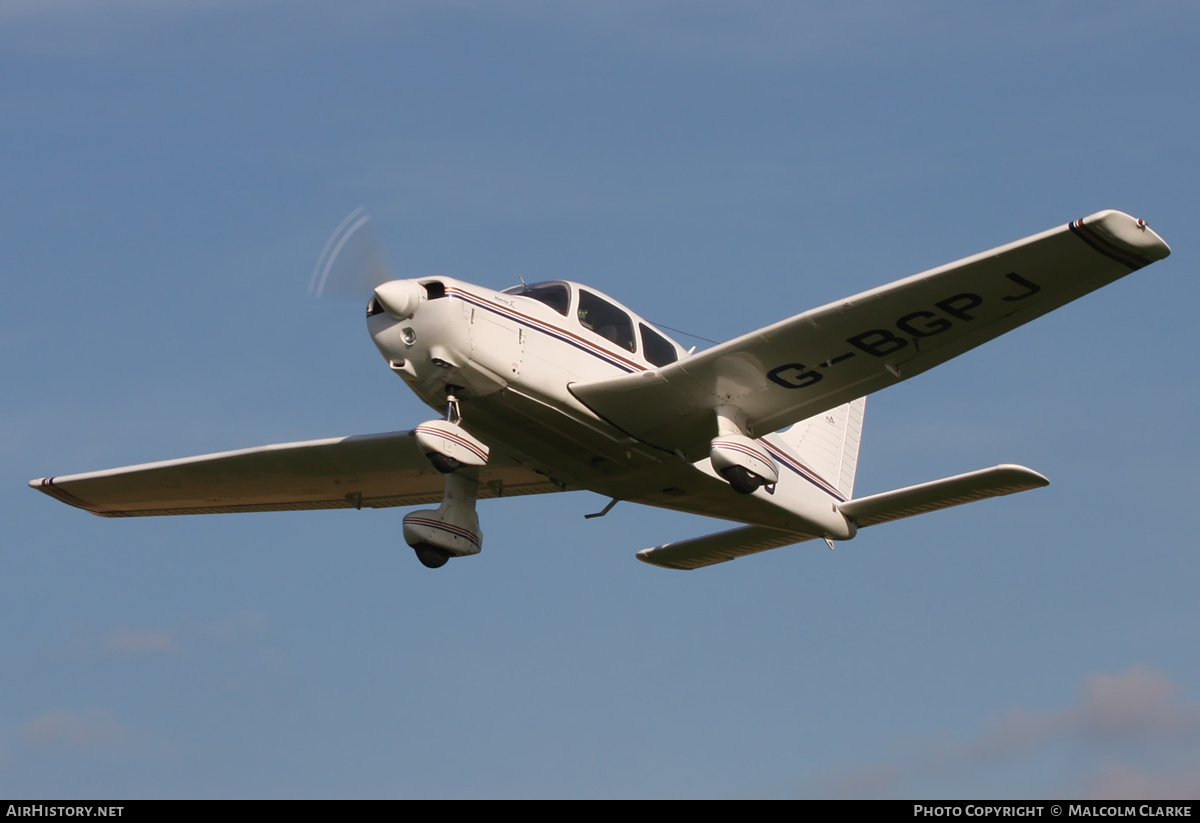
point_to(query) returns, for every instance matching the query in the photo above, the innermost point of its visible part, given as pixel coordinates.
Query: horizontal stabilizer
(719, 547)
(941, 494)
(867, 511)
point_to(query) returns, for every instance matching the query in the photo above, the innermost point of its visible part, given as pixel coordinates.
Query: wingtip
(1028, 475)
(649, 557)
(47, 486)
(1130, 234)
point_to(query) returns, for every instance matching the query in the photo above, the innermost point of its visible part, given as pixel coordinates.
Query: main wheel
(444, 464)
(742, 479)
(430, 557)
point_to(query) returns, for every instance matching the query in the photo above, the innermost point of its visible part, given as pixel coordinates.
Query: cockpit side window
(606, 320)
(656, 348)
(555, 295)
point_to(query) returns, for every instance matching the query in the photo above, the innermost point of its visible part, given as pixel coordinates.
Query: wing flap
(721, 547)
(941, 494)
(363, 471)
(823, 358)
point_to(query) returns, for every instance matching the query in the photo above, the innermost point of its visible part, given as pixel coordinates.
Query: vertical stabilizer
(828, 443)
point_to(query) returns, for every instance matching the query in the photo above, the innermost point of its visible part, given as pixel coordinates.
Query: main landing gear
(741, 460)
(452, 529)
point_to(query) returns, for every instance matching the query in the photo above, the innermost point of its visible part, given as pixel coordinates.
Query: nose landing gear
(452, 529)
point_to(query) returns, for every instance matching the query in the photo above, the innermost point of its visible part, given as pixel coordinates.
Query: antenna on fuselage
(688, 333)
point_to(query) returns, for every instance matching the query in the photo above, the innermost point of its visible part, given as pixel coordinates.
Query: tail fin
(828, 443)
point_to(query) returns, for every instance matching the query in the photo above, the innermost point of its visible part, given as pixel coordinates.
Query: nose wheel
(450, 530)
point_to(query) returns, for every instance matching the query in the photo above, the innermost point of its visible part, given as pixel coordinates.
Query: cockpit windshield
(555, 295)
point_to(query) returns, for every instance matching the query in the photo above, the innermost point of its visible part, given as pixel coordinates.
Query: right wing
(815, 361)
(371, 470)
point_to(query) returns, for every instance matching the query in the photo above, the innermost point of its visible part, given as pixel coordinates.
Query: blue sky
(171, 173)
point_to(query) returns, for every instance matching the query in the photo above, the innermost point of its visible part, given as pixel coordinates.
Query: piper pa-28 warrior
(551, 387)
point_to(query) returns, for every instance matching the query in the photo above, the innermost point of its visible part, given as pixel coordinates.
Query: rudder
(829, 442)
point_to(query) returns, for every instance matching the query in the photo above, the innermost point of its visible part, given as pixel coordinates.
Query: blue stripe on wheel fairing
(466, 444)
(446, 527)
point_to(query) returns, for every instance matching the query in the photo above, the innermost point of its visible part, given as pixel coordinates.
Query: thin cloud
(232, 627)
(1117, 782)
(1117, 717)
(138, 641)
(71, 729)
(1119, 709)
(132, 641)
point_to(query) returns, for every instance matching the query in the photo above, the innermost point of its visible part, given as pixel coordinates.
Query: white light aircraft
(553, 386)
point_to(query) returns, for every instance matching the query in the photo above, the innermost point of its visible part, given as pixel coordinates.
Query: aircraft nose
(399, 298)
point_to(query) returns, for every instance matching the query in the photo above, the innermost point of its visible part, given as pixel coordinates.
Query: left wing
(371, 470)
(831, 355)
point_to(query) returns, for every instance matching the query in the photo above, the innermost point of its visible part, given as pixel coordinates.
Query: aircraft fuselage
(510, 360)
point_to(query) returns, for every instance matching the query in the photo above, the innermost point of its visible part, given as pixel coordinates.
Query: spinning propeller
(352, 263)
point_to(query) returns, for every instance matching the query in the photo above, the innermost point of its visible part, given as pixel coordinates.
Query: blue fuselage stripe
(549, 330)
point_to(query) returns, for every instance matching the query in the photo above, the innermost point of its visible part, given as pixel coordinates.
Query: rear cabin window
(555, 295)
(656, 348)
(606, 320)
